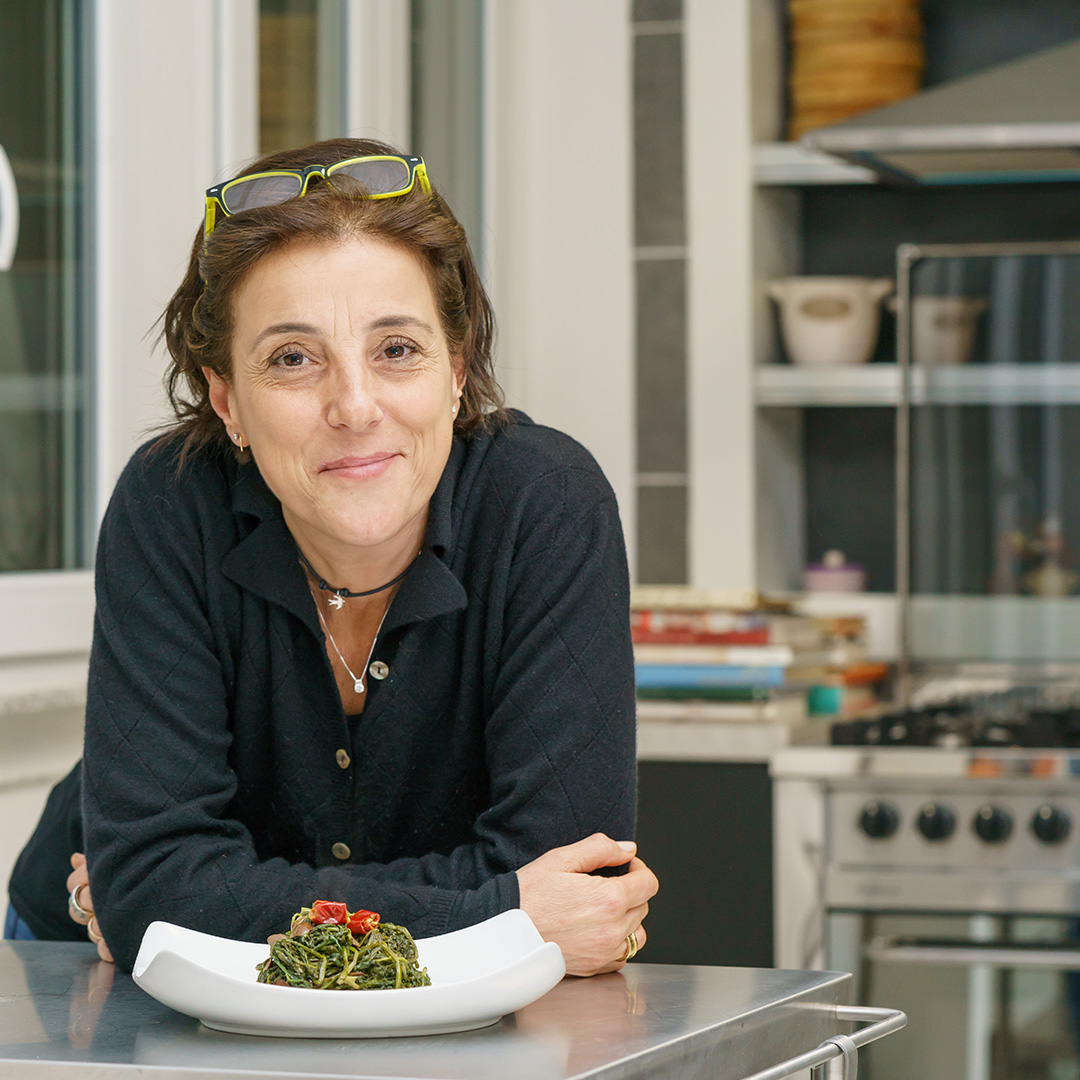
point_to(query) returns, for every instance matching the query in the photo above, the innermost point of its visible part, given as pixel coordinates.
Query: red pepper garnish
(328, 911)
(362, 922)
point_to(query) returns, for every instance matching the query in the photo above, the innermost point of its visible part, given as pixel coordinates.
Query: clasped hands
(589, 917)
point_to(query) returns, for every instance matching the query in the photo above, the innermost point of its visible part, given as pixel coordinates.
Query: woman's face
(343, 387)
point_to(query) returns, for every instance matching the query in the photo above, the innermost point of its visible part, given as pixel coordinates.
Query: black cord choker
(347, 594)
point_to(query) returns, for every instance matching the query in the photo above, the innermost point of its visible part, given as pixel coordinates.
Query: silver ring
(75, 909)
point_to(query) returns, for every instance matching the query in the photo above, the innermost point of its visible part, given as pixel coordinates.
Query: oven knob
(1050, 824)
(878, 820)
(936, 822)
(993, 824)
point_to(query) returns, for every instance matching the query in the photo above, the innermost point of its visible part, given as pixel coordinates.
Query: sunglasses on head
(381, 175)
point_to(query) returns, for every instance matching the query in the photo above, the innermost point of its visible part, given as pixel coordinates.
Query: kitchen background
(645, 224)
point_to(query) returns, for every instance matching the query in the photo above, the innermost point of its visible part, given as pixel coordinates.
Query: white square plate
(477, 975)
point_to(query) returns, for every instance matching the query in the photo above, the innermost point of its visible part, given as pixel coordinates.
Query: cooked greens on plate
(330, 948)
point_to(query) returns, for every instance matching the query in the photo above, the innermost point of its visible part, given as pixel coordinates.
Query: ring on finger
(631, 948)
(75, 909)
(93, 931)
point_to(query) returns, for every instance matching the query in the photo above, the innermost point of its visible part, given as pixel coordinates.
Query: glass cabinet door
(45, 458)
(994, 510)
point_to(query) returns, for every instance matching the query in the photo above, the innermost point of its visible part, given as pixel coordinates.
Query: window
(46, 460)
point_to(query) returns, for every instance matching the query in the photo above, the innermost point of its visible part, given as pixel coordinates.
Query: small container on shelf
(829, 320)
(943, 327)
(834, 574)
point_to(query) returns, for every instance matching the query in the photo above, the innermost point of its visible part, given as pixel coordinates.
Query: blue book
(705, 675)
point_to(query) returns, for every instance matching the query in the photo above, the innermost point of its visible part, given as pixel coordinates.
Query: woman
(361, 634)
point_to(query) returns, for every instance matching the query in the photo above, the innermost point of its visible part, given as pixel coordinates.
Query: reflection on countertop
(65, 1014)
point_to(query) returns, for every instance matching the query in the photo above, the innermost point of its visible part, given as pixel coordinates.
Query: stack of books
(715, 656)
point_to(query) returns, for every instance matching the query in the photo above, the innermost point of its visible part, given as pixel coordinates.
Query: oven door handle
(822, 1058)
(966, 954)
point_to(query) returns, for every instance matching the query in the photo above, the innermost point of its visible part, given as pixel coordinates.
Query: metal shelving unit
(788, 164)
(786, 385)
(823, 437)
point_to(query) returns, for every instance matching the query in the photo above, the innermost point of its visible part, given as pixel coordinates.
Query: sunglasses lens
(260, 191)
(377, 177)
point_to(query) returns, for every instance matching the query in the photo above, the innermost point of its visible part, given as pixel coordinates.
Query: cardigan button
(343, 759)
(379, 670)
(341, 851)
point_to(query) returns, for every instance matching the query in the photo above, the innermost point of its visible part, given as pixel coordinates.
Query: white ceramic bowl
(478, 975)
(943, 328)
(829, 320)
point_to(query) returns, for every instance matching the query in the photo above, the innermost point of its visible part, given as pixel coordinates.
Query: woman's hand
(79, 879)
(589, 917)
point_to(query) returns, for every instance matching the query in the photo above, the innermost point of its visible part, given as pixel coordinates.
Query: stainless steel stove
(938, 853)
(994, 831)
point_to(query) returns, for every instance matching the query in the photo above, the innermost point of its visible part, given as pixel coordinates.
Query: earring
(453, 408)
(239, 440)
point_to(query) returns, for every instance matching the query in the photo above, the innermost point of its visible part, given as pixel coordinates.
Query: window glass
(302, 88)
(302, 63)
(45, 452)
(447, 104)
(288, 88)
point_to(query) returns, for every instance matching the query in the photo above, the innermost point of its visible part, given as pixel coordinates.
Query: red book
(690, 637)
(665, 626)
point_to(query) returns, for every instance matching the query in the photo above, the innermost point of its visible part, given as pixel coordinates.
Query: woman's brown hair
(198, 320)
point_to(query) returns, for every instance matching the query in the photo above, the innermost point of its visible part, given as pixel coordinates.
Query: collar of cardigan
(429, 590)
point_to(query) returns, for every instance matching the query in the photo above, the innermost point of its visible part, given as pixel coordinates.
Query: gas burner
(960, 724)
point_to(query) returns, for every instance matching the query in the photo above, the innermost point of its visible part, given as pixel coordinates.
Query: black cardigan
(216, 794)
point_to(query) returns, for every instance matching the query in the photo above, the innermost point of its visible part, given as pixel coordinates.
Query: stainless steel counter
(63, 1014)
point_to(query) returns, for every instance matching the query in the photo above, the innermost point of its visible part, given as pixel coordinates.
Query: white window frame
(174, 107)
(166, 112)
(378, 53)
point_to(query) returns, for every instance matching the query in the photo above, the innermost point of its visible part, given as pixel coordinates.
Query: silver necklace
(358, 682)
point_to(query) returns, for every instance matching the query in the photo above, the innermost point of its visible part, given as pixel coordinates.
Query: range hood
(1017, 122)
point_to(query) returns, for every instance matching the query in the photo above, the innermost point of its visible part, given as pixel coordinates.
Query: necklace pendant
(358, 686)
(336, 600)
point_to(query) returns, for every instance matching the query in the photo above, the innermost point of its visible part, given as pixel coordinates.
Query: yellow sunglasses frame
(215, 196)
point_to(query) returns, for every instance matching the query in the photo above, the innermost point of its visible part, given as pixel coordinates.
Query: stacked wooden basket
(848, 56)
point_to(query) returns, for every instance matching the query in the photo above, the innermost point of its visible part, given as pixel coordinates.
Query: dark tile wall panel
(661, 365)
(659, 205)
(662, 556)
(656, 10)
